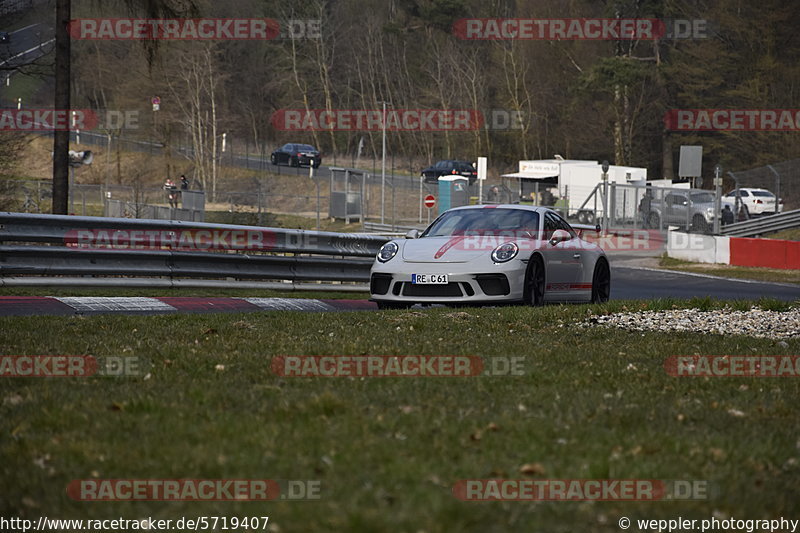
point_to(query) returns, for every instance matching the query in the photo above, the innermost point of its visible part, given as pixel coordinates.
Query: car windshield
(482, 221)
(702, 197)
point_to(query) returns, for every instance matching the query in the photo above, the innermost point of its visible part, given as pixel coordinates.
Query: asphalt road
(26, 45)
(628, 283)
(639, 283)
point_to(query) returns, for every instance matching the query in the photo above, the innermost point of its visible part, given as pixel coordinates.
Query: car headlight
(387, 251)
(505, 252)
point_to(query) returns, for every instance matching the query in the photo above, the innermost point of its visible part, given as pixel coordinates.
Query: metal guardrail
(389, 229)
(57, 245)
(762, 225)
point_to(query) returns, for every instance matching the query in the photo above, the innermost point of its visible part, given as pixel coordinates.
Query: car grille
(432, 291)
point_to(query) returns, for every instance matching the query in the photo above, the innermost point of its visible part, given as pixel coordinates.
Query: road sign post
(481, 168)
(430, 203)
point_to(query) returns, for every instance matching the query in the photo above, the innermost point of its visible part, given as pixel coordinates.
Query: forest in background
(580, 99)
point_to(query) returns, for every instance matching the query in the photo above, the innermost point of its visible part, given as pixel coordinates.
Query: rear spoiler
(587, 227)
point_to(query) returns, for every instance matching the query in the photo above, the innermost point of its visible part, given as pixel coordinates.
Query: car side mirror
(412, 234)
(559, 235)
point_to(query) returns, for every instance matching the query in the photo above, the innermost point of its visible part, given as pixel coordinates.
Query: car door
(676, 209)
(286, 151)
(562, 261)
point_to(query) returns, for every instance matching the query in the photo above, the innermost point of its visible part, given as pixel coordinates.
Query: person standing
(172, 192)
(645, 206)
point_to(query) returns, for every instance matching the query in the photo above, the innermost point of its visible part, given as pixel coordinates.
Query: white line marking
(37, 47)
(115, 303)
(711, 276)
(289, 304)
(26, 27)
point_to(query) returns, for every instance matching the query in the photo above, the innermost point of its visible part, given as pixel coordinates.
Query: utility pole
(717, 197)
(62, 104)
(383, 161)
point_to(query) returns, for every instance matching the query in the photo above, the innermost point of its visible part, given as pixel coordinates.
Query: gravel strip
(754, 323)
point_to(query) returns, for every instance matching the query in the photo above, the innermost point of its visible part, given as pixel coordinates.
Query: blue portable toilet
(453, 192)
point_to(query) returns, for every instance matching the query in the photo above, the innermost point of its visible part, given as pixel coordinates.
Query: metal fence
(63, 246)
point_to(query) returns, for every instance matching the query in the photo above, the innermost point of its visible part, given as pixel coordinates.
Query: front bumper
(496, 283)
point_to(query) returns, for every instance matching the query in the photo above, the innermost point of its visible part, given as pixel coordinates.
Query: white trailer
(573, 183)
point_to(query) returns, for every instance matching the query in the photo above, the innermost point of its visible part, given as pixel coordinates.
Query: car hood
(454, 249)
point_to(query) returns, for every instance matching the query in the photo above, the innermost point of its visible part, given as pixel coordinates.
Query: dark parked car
(448, 166)
(296, 155)
(4, 37)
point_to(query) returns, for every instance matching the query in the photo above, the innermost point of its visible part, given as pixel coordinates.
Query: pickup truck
(692, 210)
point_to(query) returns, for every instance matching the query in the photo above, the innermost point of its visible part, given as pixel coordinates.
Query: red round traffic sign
(429, 201)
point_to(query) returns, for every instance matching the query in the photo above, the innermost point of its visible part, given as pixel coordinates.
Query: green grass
(594, 403)
(786, 235)
(21, 86)
(729, 271)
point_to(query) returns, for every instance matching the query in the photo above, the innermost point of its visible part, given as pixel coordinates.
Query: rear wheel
(534, 283)
(294, 161)
(601, 282)
(273, 159)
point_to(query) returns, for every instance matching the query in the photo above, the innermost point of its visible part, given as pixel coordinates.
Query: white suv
(755, 201)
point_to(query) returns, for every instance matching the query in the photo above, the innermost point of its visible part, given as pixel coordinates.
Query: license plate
(429, 279)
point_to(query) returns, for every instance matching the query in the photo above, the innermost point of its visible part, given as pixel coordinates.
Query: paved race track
(628, 283)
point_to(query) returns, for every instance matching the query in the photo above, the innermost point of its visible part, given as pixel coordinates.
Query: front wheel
(601, 282)
(534, 283)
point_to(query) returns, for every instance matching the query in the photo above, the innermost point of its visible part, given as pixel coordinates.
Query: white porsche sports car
(488, 254)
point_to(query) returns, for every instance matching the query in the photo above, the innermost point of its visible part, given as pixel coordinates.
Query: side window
(744, 194)
(287, 148)
(675, 199)
(441, 165)
(562, 224)
(550, 226)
